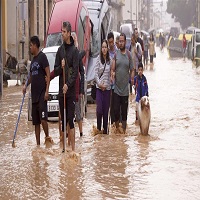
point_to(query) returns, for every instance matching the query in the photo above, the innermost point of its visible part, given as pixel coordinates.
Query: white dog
(144, 115)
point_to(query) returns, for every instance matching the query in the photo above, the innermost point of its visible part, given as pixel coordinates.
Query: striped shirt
(105, 78)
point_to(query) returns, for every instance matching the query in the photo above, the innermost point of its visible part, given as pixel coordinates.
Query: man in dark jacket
(67, 59)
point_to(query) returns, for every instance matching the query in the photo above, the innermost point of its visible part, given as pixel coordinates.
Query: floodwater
(163, 165)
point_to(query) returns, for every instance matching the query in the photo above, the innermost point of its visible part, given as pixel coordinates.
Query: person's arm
(57, 66)
(142, 46)
(134, 83)
(146, 89)
(28, 83)
(113, 67)
(132, 71)
(96, 71)
(52, 75)
(82, 72)
(47, 70)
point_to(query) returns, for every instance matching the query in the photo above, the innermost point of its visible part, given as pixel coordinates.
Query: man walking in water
(39, 68)
(122, 69)
(67, 58)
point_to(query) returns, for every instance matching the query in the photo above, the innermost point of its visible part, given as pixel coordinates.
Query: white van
(127, 29)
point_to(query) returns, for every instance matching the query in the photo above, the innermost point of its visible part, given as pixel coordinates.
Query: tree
(183, 11)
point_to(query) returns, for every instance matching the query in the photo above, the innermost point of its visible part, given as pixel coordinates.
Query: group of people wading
(116, 68)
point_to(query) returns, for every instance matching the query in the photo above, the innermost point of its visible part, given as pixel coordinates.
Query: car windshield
(51, 58)
(54, 39)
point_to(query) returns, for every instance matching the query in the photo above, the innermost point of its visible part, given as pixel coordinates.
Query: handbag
(94, 88)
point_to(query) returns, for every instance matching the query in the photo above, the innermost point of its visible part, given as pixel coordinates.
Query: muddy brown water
(163, 165)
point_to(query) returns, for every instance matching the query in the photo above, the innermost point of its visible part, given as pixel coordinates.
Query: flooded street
(163, 165)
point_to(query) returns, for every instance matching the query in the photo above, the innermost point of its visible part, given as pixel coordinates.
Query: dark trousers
(112, 113)
(103, 104)
(70, 110)
(120, 104)
(151, 58)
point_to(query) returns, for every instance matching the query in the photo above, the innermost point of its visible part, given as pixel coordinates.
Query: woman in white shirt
(102, 78)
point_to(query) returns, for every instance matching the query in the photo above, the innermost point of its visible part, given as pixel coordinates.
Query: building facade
(3, 39)
(141, 14)
(116, 11)
(25, 19)
(1, 67)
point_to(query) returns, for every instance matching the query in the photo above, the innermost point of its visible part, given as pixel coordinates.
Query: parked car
(52, 104)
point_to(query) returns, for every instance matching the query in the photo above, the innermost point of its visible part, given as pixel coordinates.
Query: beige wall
(4, 30)
(13, 30)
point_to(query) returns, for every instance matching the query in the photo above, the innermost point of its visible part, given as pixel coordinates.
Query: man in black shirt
(39, 68)
(67, 58)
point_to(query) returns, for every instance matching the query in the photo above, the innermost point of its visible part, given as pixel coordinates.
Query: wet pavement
(163, 165)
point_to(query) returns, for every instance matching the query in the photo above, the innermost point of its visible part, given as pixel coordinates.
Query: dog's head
(145, 103)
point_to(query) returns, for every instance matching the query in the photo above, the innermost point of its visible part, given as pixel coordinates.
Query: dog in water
(144, 115)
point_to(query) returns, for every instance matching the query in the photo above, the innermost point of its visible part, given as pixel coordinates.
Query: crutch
(15, 132)
(64, 140)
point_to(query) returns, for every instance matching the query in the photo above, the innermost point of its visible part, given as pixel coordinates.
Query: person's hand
(46, 79)
(112, 77)
(81, 95)
(102, 87)
(63, 63)
(24, 89)
(65, 88)
(46, 96)
(132, 81)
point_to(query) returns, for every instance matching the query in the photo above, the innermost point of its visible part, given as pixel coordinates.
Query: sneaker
(81, 134)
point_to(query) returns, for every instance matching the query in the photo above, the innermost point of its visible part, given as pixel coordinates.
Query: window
(54, 39)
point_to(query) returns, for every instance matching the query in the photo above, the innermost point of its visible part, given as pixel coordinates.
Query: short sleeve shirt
(124, 63)
(37, 70)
